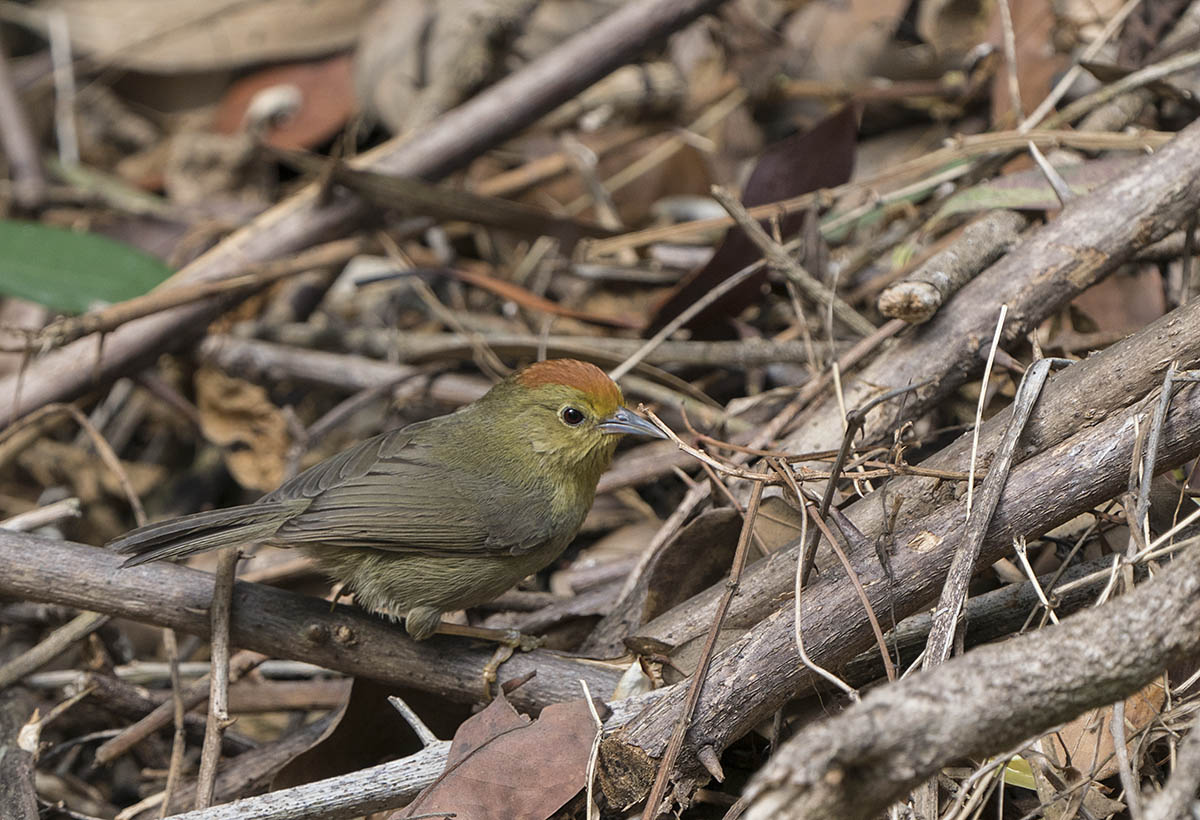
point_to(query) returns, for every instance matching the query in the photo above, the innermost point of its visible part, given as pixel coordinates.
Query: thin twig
(1137, 79)
(57, 642)
(1062, 190)
(667, 764)
(218, 691)
(854, 422)
(423, 732)
(684, 317)
(987, 372)
(195, 694)
(945, 617)
(804, 658)
(888, 666)
(594, 755)
(1010, 60)
(178, 711)
(780, 259)
(1064, 84)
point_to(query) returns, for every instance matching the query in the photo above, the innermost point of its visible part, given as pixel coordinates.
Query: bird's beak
(627, 421)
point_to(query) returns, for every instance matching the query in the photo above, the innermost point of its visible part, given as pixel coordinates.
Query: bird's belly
(394, 583)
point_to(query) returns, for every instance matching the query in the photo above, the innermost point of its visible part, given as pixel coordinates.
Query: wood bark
(983, 703)
(760, 671)
(282, 624)
(1083, 395)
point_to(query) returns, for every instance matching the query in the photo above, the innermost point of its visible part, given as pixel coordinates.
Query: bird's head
(570, 411)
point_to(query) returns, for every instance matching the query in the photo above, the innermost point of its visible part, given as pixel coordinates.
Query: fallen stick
(983, 703)
(281, 624)
(760, 671)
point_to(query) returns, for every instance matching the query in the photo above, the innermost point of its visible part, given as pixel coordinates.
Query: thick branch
(1091, 238)
(279, 623)
(761, 670)
(853, 765)
(1085, 394)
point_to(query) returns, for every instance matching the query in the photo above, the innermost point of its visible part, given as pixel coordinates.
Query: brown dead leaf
(323, 103)
(501, 766)
(1086, 743)
(169, 36)
(1124, 303)
(367, 731)
(251, 431)
(821, 157)
(54, 462)
(842, 41)
(1036, 57)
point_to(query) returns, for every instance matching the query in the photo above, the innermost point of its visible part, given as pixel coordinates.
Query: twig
(178, 712)
(888, 666)
(987, 372)
(1137, 79)
(1149, 454)
(196, 693)
(1062, 190)
(1129, 783)
(918, 296)
(54, 645)
(798, 592)
(703, 457)
(218, 692)
(683, 318)
(945, 617)
(594, 755)
(43, 516)
(20, 147)
(1010, 60)
(423, 732)
(780, 259)
(1023, 554)
(1064, 84)
(64, 87)
(667, 764)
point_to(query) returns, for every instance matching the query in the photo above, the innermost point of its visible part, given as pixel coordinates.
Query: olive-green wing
(392, 493)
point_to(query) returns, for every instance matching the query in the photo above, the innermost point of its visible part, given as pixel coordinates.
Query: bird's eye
(571, 416)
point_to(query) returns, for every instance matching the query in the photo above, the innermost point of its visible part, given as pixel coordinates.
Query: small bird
(442, 514)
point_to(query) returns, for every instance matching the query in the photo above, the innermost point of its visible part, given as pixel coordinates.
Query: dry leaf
(821, 157)
(503, 767)
(251, 431)
(170, 36)
(1086, 743)
(323, 102)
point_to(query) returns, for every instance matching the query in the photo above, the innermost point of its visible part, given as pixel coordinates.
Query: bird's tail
(207, 531)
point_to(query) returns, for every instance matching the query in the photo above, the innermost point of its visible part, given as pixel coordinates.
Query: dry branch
(761, 670)
(1091, 238)
(1085, 394)
(281, 624)
(853, 765)
(916, 297)
(446, 144)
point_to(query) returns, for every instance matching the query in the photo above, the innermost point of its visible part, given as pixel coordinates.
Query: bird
(442, 514)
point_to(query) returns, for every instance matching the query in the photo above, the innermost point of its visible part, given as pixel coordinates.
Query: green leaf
(69, 271)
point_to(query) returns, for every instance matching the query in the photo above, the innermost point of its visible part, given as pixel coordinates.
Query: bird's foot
(491, 668)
